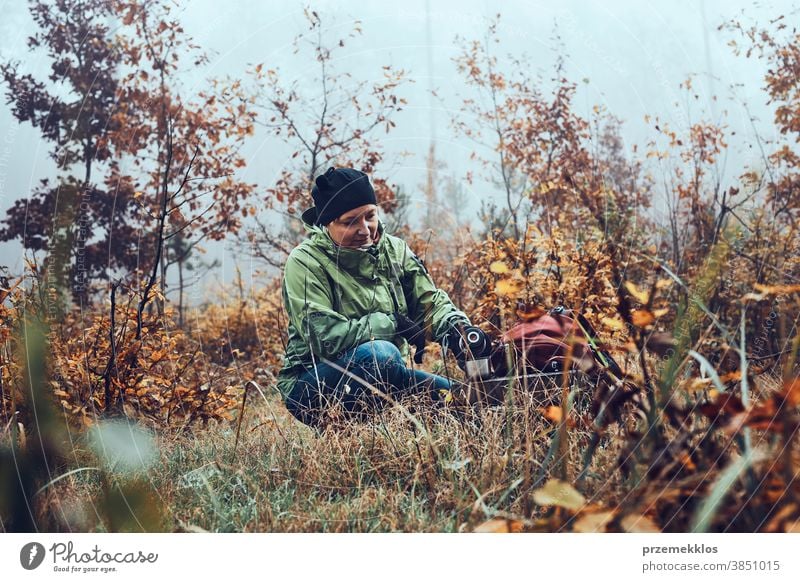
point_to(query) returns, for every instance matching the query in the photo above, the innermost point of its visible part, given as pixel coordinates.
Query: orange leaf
(639, 524)
(791, 393)
(777, 289)
(530, 312)
(642, 317)
(499, 525)
(552, 413)
(593, 522)
(731, 377)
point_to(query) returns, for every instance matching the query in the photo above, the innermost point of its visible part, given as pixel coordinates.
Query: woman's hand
(413, 333)
(465, 340)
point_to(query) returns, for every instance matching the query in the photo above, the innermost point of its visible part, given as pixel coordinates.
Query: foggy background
(629, 56)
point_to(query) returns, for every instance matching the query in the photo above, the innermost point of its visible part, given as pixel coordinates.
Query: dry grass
(413, 469)
(426, 470)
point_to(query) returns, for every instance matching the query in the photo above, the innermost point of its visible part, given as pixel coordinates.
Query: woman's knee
(302, 411)
(381, 352)
(303, 399)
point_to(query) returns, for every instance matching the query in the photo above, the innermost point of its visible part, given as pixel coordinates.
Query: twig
(241, 417)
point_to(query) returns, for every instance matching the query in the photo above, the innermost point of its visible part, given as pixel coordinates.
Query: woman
(356, 297)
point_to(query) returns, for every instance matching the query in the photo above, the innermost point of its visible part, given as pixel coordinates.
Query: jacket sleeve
(309, 302)
(428, 305)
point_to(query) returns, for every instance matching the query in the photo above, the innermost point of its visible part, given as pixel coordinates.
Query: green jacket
(338, 298)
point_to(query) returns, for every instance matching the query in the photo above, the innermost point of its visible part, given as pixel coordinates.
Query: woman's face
(355, 228)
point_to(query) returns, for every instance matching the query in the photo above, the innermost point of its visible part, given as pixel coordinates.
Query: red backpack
(542, 345)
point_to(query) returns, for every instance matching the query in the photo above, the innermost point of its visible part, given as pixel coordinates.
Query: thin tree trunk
(180, 293)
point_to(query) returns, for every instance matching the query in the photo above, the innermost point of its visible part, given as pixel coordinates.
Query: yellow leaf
(613, 323)
(507, 287)
(640, 296)
(545, 187)
(663, 283)
(499, 267)
(499, 525)
(593, 522)
(639, 524)
(698, 384)
(660, 312)
(559, 494)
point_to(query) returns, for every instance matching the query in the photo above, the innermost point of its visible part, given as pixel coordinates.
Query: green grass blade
(704, 515)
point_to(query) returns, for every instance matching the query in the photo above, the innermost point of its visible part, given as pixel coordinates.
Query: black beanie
(337, 191)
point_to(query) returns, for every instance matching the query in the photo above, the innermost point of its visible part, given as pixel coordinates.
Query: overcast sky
(633, 53)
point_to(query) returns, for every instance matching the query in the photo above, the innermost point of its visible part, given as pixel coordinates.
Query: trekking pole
(591, 335)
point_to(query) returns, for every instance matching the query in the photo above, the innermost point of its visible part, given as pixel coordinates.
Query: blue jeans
(378, 364)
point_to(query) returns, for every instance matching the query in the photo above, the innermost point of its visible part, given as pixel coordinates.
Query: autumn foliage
(689, 281)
